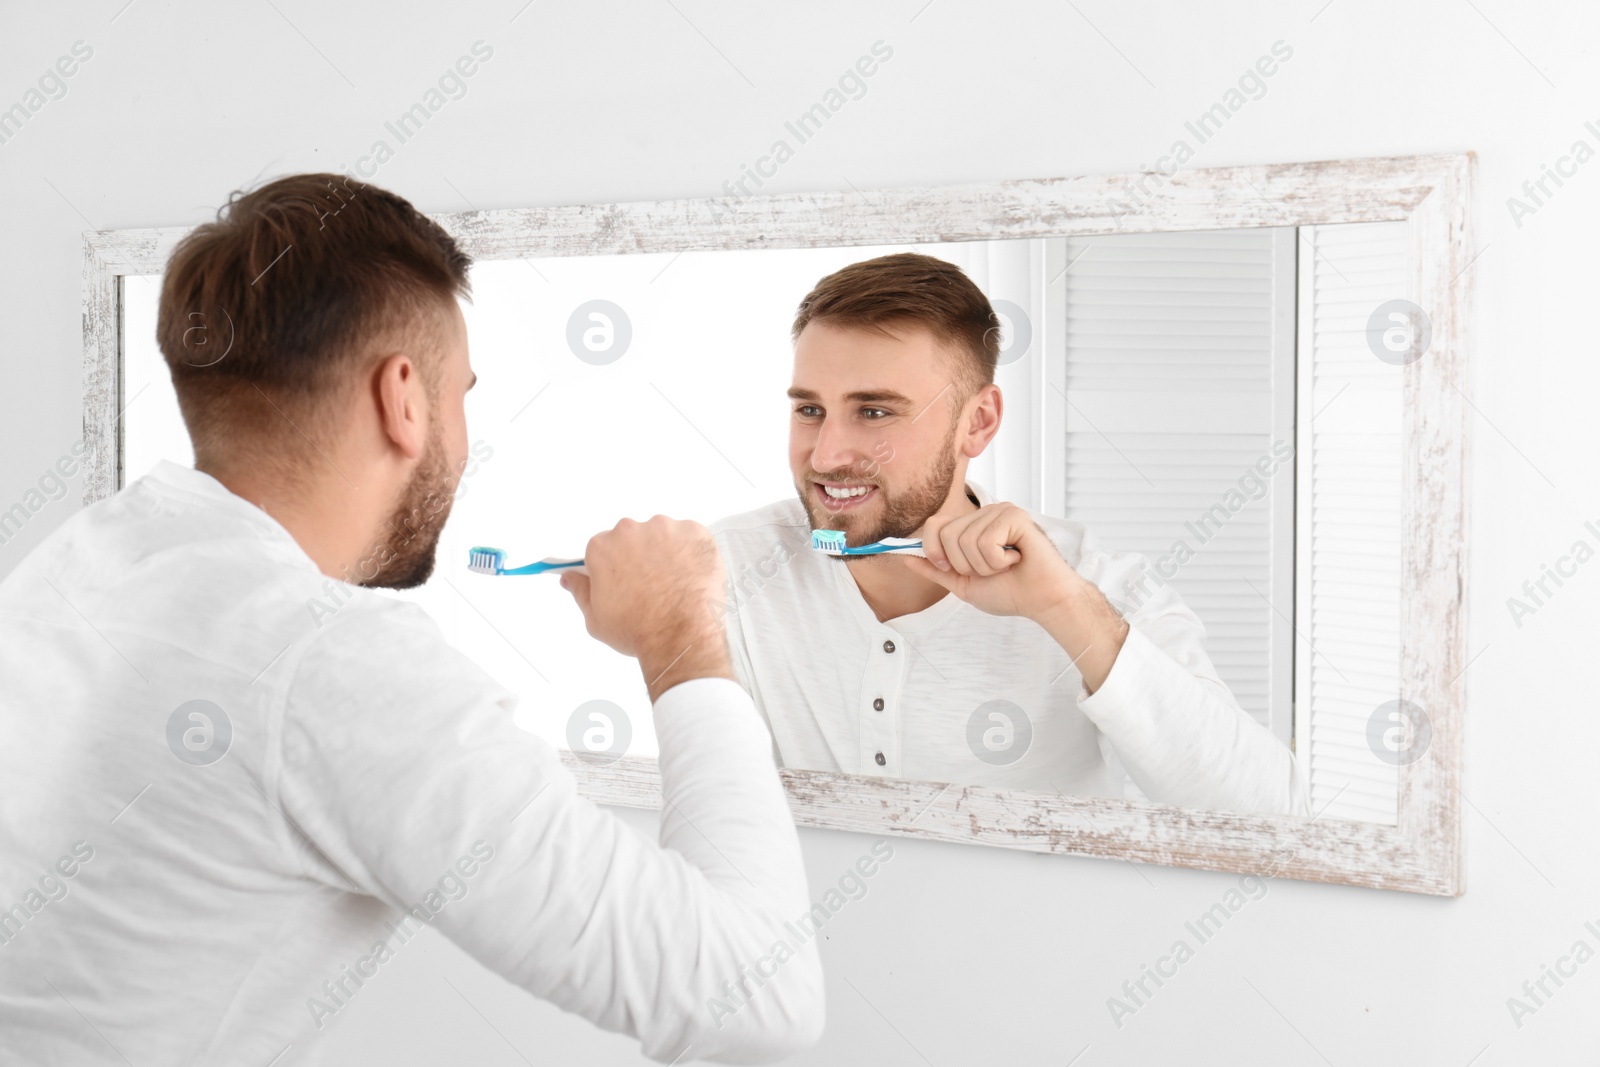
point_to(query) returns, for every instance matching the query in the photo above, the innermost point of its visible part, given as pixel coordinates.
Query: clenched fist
(646, 594)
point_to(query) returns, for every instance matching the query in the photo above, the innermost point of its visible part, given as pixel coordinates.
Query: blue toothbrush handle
(914, 548)
(574, 565)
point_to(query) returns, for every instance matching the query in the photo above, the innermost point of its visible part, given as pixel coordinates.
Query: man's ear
(982, 421)
(398, 391)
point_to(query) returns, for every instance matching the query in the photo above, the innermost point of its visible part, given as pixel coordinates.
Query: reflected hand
(1030, 579)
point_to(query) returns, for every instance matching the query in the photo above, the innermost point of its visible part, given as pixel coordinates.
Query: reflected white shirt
(371, 768)
(953, 694)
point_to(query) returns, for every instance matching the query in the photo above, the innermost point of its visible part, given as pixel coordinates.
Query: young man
(225, 813)
(998, 660)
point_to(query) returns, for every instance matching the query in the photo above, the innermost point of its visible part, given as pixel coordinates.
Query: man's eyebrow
(868, 396)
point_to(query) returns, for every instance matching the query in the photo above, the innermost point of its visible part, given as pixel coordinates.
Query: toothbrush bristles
(828, 540)
(485, 560)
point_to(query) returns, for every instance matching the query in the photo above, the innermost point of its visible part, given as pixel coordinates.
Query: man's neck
(891, 590)
(327, 524)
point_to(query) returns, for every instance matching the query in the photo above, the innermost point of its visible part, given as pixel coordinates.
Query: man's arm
(1148, 684)
(1176, 727)
(400, 760)
(1087, 628)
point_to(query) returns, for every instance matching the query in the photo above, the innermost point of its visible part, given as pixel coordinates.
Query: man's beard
(901, 514)
(415, 525)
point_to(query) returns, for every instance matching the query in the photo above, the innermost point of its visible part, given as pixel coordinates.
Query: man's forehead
(892, 333)
(900, 371)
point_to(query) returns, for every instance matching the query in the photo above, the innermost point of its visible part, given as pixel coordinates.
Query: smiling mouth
(838, 497)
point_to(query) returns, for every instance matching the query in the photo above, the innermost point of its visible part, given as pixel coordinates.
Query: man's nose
(836, 449)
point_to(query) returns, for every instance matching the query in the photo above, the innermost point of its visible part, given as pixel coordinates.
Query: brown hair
(908, 287)
(268, 313)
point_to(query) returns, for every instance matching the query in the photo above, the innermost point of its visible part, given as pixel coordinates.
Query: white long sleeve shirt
(953, 694)
(156, 908)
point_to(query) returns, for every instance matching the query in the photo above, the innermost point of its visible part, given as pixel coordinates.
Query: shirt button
(877, 705)
(880, 759)
(888, 646)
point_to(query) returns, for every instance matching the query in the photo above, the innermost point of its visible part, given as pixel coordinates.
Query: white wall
(957, 955)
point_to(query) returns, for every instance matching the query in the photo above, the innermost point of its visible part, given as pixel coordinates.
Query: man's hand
(646, 594)
(1030, 579)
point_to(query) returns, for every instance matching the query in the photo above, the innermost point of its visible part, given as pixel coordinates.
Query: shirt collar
(170, 477)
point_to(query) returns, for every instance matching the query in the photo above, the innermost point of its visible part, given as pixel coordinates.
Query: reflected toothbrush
(492, 561)
(833, 543)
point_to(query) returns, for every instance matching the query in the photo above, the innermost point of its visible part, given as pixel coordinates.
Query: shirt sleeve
(1177, 729)
(403, 769)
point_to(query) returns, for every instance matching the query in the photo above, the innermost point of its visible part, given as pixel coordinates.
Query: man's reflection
(1010, 667)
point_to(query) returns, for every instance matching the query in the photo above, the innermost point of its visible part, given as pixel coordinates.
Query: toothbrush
(832, 542)
(493, 561)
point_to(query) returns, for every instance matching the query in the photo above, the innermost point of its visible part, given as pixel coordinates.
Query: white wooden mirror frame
(1422, 853)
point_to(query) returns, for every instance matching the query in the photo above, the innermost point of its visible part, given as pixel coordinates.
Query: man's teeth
(845, 494)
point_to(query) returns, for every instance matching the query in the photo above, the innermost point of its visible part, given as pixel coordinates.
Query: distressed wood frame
(1421, 854)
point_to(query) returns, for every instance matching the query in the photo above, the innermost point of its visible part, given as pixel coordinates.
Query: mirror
(1214, 425)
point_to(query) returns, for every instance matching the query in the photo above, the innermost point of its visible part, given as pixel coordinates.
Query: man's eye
(807, 411)
(868, 411)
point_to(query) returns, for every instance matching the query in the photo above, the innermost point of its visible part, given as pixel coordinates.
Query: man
(997, 660)
(224, 814)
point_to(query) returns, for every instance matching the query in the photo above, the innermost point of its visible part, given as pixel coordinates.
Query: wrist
(1092, 632)
(693, 653)
(1065, 602)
